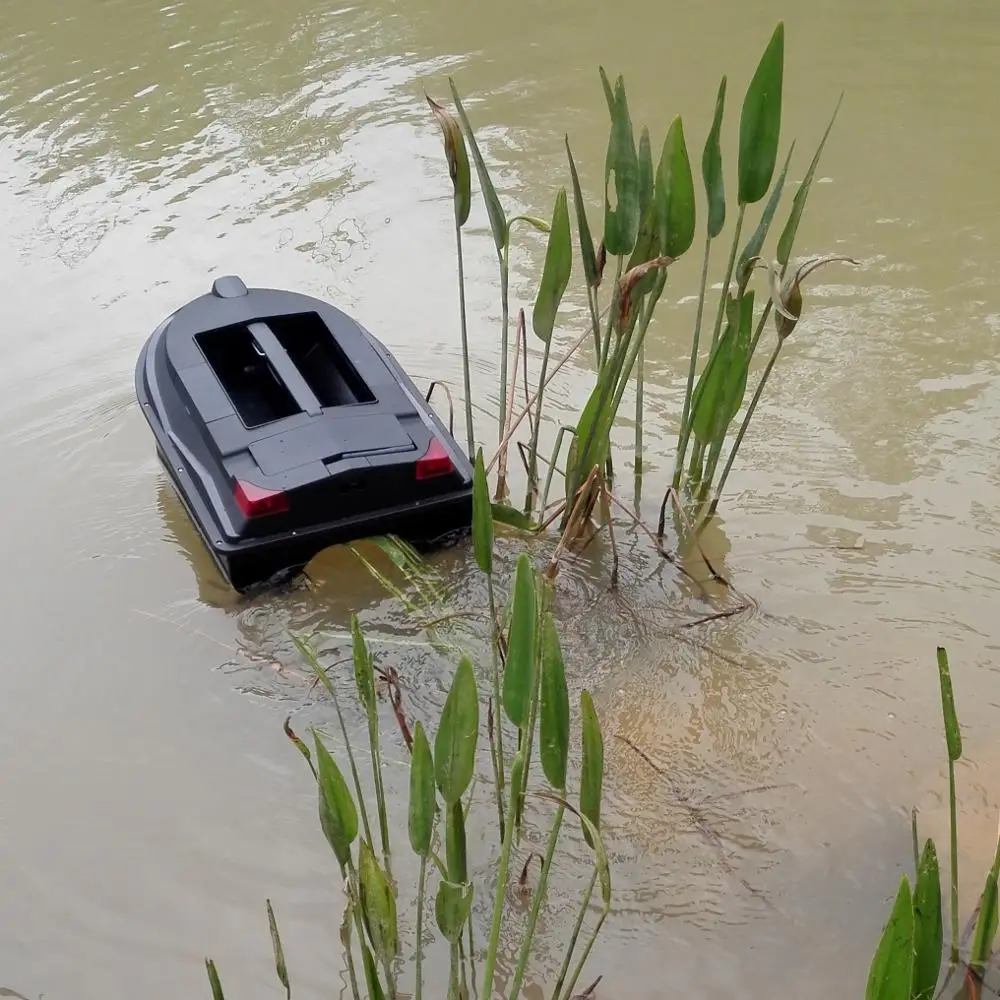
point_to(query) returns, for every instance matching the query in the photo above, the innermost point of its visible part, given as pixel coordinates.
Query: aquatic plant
(908, 962)
(527, 687)
(649, 221)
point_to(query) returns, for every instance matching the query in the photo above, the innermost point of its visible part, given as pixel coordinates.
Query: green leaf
(609, 94)
(592, 765)
(647, 176)
(456, 851)
(378, 905)
(675, 194)
(711, 168)
(952, 732)
(452, 907)
(521, 645)
(928, 927)
(458, 160)
(799, 202)
(891, 972)
(621, 171)
(364, 673)
(421, 816)
(553, 708)
(760, 122)
(503, 513)
(455, 745)
(583, 226)
(555, 272)
(375, 991)
(213, 979)
(482, 517)
(986, 928)
(498, 220)
(337, 813)
(755, 244)
(280, 967)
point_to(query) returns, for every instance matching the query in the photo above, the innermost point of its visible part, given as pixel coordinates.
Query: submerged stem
(685, 429)
(536, 903)
(465, 340)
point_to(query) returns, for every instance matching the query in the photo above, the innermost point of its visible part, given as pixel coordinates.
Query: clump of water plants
(910, 956)
(526, 693)
(650, 220)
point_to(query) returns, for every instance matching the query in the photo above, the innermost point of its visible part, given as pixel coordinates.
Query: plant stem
(640, 362)
(502, 869)
(586, 951)
(383, 818)
(760, 328)
(953, 820)
(724, 294)
(543, 503)
(685, 429)
(533, 453)
(739, 437)
(584, 906)
(594, 322)
(605, 346)
(454, 992)
(536, 902)
(421, 887)
(465, 340)
(505, 329)
(498, 773)
(472, 959)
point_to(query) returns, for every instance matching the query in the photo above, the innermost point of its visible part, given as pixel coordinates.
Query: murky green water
(148, 800)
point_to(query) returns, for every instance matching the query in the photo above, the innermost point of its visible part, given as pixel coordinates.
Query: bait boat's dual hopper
(286, 427)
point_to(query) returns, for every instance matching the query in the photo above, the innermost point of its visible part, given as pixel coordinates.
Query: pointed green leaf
(503, 513)
(521, 645)
(458, 160)
(498, 220)
(646, 174)
(592, 765)
(799, 202)
(609, 94)
(928, 927)
(421, 816)
(364, 672)
(553, 730)
(744, 267)
(675, 194)
(760, 122)
(582, 225)
(456, 851)
(952, 732)
(337, 813)
(621, 173)
(375, 991)
(482, 517)
(891, 972)
(378, 905)
(555, 272)
(455, 745)
(986, 928)
(452, 907)
(711, 168)
(213, 979)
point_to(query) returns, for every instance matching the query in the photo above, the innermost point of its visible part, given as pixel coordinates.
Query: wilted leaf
(675, 194)
(458, 160)
(482, 517)
(928, 927)
(891, 972)
(760, 122)
(799, 202)
(452, 907)
(337, 813)
(455, 745)
(711, 168)
(592, 765)
(498, 220)
(555, 272)
(521, 645)
(553, 730)
(583, 226)
(378, 905)
(280, 966)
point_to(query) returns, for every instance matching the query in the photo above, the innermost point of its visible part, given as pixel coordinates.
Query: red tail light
(255, 501)
(435, 462)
